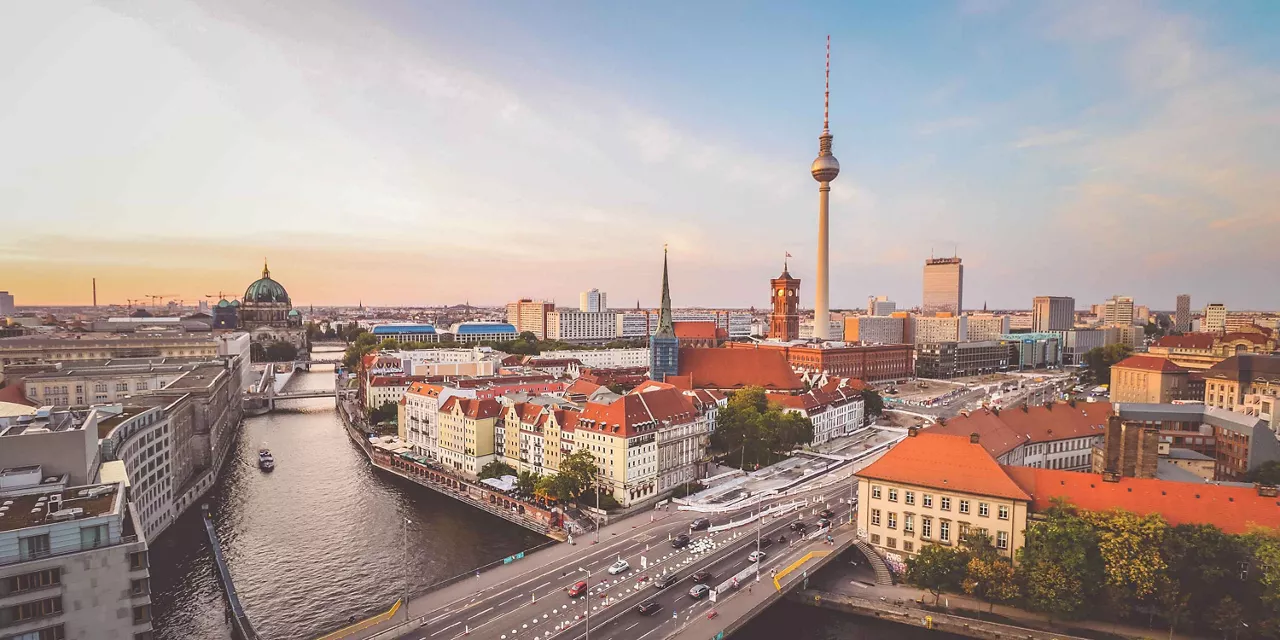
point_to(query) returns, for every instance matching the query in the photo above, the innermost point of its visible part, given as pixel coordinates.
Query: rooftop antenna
(826, 99)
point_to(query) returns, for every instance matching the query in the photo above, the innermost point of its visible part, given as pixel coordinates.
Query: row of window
(944, 502)
(926, 528)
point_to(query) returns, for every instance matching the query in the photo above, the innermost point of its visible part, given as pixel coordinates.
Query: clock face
(781, 293)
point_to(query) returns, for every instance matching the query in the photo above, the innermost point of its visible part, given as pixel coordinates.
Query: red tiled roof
(695, 330)
(13, 394)
(424, 389)
(944, 462)
(394, 381)
(1149, 363)
(581, 387)
(1232, 509)
(1000, 434)
(474, 409)
(626, 416)
(738, 368)
(1187, 341)
(1248, 336)
(651, 385)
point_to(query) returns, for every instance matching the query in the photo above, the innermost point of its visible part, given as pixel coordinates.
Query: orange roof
(695, 330)
(474, 409)
(651, 385)
(13, 394)
(1247, 336)
(636, 413)
(424, 389)
(738, 368)
(581, 387)
(1233, 509)
(944, 462)
(1149, 363)
(1001, 433)
(1187, 341)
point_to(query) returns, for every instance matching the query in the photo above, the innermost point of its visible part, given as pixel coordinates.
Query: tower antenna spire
(826, 97)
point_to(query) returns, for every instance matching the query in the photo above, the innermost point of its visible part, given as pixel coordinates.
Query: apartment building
(875, 329)
(1118, 310)
(986, 326)
(941, 328)
(1182, 315)
(466, 433)
(835, 410)
(85, 385)
(388, 388)
(1215, 318)
(636, 324)
(89, 346)
(1228, 383)
(1149, 379)
(623, 439)
(530, 315)
(593, 301)
(582, 326)
(420, 426)
(945, 360)
(1052, 436)
(880, 306)
(607, 358)
(73, 562)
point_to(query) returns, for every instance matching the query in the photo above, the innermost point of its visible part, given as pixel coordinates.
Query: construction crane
(161, 297)
(221, 296)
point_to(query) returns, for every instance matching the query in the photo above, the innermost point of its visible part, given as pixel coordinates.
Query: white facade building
(1215, 318)
(933, 329)
(582, 326)
(986, 326)
(593, 301)
(880, 306)
(835, 328)
(605, 358)
(634, 324)
(834, 412)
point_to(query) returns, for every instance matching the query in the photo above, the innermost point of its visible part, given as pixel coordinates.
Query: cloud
(1046, 138)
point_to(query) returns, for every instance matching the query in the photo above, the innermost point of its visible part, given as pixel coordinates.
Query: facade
(7, 307)
(1215, 318)
(664, 346)
(267, 314)
(582, 326)
(1118, 310)
(1182, 315)
(940, 328)
(959, 359)
(632, 325)
(698, 334)
(834, 410)
(880, 306)
(871, 363)
(986, 326)
(608, 358)
(37, 349)
(79, 386)
(1034, 350)
(1239, 443)
(72, 561)
(784, 321)
(421, 417)
(1201, 351)
(1132, 335)
(875, 329)
(1228, 384)
(1149, 379)
(943, 286)
(1077, 342)
(593, 301)
(466, 433)
(406, 332)
(1051, 436)
(530, 315)
(390, 388)
(1052, 313)
(938, 489)
(484, 332)
(808, 331)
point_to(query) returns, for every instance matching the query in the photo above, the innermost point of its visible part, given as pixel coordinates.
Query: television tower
(824, 169)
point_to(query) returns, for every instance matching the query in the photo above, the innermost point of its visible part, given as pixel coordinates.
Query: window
(56, 632)
(944, 530)
(984, 509)
(875, 492)
(892, 543)
(893, 495)
(875, 517)
(142, 613)
(1003, 512)
(946, 503)
(927, 500)
(964, 532)
(93, 537)
(875, 538)
(31, 610)
(34, 546)
(138, 560)
(140, 587)
(926, 528)
(31, 581)
(909, 497)
(964, 506)
(1002, 539)
(893, 520)
(908, 546)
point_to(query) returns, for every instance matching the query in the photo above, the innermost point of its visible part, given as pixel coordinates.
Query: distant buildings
(940, 328)
(1077, 342)
(1182, 316)
(809, 328)
(1034, 350)
(876, 329)
(1118, 310)
(6, 304)
(1215, 318)
(1231, 383)
(871, 363)
(593, 301)
(530, 315)
(406, 332)
(582, 326)
(1200, 351)
(1053, 313)
(880, 306)
(942, 360)
(833, 409)
(986, 326)
(1149, 379)
(943, 286)
(267, 313)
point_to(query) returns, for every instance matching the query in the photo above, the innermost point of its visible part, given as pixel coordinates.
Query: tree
(988, 576)
(1266, 473)
(1059, 563)
(579, 470)
(1100, 359)
(873, 404)
(1201, 567)
(936, 569)
(384, 413)
(496, 469)
(1130, 548)
(280, 351)
(1225, 616)
(556, 487)
(526, 482)
(758, 430)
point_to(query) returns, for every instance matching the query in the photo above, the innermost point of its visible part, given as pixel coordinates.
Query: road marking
(509, 600)
(480, 614)
(632, 627)
(445, 629)
(541, 586)
(437, 618)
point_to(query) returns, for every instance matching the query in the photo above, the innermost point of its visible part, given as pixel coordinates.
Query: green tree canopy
(1266, 473)
(280, 351)
(873, 403)
(384, 413)
(759, 432)
(1099, 360)
(496, 469)
(1059, 565)
(936, 569)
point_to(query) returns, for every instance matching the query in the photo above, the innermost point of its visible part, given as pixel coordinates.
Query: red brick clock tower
(784, 322)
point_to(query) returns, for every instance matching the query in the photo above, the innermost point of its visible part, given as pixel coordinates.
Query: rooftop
(1149, 363)
(400, 328)
(46, 420)
(946, 462)
(1187, 341)
(1229, 420)
(1002, 431)
(32, 510)
(738, 368)
(466, 328)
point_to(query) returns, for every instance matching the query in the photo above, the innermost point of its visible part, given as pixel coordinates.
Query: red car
(578, 589)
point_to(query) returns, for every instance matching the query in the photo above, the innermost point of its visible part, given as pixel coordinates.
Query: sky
(421, 153)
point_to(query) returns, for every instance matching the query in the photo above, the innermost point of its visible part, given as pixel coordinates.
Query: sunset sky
(404, 152)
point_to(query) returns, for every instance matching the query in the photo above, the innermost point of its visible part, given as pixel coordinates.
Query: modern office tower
(593, 301)
(530, 315)
(1053, 313)
(943, 286)
(1182, 316)
(1215, 318)
(1118, 310)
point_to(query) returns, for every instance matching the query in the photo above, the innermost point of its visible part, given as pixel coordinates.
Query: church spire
(266, 273)
(665, 327)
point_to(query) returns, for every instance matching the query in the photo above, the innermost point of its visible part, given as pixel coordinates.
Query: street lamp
(587, 600)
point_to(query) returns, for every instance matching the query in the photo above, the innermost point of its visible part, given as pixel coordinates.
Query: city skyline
(238, 130)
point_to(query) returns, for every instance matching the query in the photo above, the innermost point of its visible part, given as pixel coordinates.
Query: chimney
(1266, 490)
(1110, 476)
(913, 432)
(973, 438)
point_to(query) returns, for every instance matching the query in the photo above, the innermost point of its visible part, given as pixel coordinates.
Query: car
(648, 608)
(827, 513)
(798, 526)
(756, 556)
(679, 542)
(765, 542)
(620, 566)
(665, 581)
(579, 588)
(700, 524)
(641, 580)
(699, 591)
(701, 577)
(824, 523)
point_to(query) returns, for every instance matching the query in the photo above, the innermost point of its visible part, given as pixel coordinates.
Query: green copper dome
(266, 289)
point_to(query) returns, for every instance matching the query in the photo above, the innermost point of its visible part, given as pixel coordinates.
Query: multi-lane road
(537, 605)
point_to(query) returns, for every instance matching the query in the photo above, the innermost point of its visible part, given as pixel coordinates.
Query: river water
(321, 539)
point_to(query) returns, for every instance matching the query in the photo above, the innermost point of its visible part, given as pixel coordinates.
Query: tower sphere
(825, 168)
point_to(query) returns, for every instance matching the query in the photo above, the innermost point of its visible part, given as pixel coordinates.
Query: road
(537, 603)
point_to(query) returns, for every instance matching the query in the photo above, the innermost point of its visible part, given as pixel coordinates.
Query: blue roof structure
(465, 328)
(401, 329)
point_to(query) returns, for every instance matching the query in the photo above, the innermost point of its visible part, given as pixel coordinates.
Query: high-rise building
(582, 326)
(6, 303)
(943, 286)
(986, 326)
(593, 301)
(824, 169)
(664, 346)
(1053, 313)
(784, 322)
(1215, 318)
(944, 328)
(880, 306)
(1117, 310)
(530, 315)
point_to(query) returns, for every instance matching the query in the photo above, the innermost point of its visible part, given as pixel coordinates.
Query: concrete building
(808, 332)
(1229, 383)
(1077, 342)
(1053, 313)
(1182, 315)
(880, 306)
(942, 360)
(1238, 443)
(7, 308)
(986, 326)
(1034, 350)
(85, 385)
(73, 561)
(1117, 310)
(484, 332)
(1149, 379)
(943, 286)
(406, 332)
(875, 329)
(530, 315)
(1052, 436)
(607, 358)
(633, 324)
(388, 388)
(940, 328)
(1127, 334)
(593, 301)
(74, 347)
(582, 326)
(1215, 318)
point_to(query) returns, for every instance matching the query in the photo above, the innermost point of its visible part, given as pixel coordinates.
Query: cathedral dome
(266, 289)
